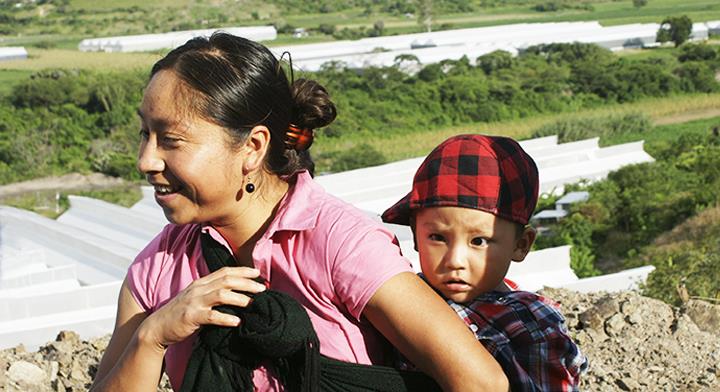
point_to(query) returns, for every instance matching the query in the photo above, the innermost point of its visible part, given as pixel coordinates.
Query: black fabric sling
(275, 328)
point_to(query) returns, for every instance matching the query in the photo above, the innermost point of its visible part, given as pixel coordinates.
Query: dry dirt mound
(634, 343)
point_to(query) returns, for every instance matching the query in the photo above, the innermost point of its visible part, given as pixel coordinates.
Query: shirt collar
(300, 207)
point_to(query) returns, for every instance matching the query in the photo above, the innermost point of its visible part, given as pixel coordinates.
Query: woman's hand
(193, 307)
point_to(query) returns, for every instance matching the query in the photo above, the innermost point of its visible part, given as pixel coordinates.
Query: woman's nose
(149, 161)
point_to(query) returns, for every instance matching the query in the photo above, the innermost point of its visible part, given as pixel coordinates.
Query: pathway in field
(688, 116)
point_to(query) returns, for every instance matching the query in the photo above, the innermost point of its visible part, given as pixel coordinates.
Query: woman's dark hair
(238, 84)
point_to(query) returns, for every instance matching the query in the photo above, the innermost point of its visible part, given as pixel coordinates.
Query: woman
(223, 142)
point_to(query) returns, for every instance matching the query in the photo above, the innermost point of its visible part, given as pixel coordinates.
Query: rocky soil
(634, 343)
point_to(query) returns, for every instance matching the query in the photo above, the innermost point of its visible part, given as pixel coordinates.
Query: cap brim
(399, 213)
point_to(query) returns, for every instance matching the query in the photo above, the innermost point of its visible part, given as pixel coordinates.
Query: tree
(676, 29)
(424, 13)
(639, 3)
(494, 61)
(378, 29)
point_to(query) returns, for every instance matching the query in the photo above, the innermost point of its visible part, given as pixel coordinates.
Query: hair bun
(313, 107)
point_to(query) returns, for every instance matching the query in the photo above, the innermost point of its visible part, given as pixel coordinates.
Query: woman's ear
(256, 146)
(523, 243)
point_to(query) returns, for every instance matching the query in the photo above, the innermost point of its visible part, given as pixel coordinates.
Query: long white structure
(66, 273)
(375, 188)
(474, 42)
(150, 42)
(13, 53)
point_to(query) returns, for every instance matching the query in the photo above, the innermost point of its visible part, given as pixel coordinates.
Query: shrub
(676, 29)
(696, 52)
(362, 155)
(587, 127)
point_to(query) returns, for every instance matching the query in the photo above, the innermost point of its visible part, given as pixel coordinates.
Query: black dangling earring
(249, 187)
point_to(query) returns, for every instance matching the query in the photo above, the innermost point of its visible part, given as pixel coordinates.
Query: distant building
(151, 42)
(562, 208)
(300, 33)
(13, 53)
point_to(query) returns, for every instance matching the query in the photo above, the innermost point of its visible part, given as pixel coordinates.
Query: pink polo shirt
(325, 253)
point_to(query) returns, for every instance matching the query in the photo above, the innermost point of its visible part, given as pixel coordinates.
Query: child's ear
(523, 243)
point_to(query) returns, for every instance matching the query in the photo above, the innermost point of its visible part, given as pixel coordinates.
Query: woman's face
(189, 161)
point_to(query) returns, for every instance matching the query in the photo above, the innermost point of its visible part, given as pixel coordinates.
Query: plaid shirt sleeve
(528, 337)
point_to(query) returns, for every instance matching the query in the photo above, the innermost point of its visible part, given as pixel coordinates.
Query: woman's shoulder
(158, 261)
(172, 237)
(333, 213)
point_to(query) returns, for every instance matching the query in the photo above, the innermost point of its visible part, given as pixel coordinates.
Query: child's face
(466, 252)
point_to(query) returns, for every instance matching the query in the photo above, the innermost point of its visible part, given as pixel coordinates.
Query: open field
(396, 147)
(8, 78)
(607, 13)
(52, 26)
(64, 58)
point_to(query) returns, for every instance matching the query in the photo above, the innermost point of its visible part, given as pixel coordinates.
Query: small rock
(655, 369)
(68, 336)
(685, 325)
(23, 372)
(77, 372)
(595, 317)
(614, 325)
(54, 367)
(628, 384)
(3, 368)
(635, 319)
(705, 315)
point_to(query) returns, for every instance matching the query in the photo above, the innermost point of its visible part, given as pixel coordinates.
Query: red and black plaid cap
(488, 173)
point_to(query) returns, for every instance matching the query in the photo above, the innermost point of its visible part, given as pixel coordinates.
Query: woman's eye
(144, 134)
(170, 140)
(436, 237)
(479, 241)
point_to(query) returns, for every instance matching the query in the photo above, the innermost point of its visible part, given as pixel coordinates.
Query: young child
(469, 207)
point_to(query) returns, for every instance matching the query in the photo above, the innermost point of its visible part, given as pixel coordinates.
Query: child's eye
(144, 134)
(479, 241)
(436, 237)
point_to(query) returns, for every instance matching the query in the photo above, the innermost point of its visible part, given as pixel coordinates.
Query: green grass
(9, 77)
(662, 134)
(94, 5)
(63, 58)
(607, 13)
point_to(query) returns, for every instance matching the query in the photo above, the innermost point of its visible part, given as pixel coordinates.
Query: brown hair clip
(298, 139)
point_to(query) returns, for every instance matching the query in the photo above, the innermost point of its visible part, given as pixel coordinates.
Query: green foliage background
(59, 121)
(663, 213)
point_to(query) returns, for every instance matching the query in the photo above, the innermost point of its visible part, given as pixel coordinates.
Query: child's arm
(554, 363)
(528, 338)
(421, 325)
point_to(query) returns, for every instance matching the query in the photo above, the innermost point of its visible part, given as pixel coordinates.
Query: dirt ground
(633, 343)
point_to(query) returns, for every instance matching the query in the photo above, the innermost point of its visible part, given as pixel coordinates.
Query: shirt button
(473, 327)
